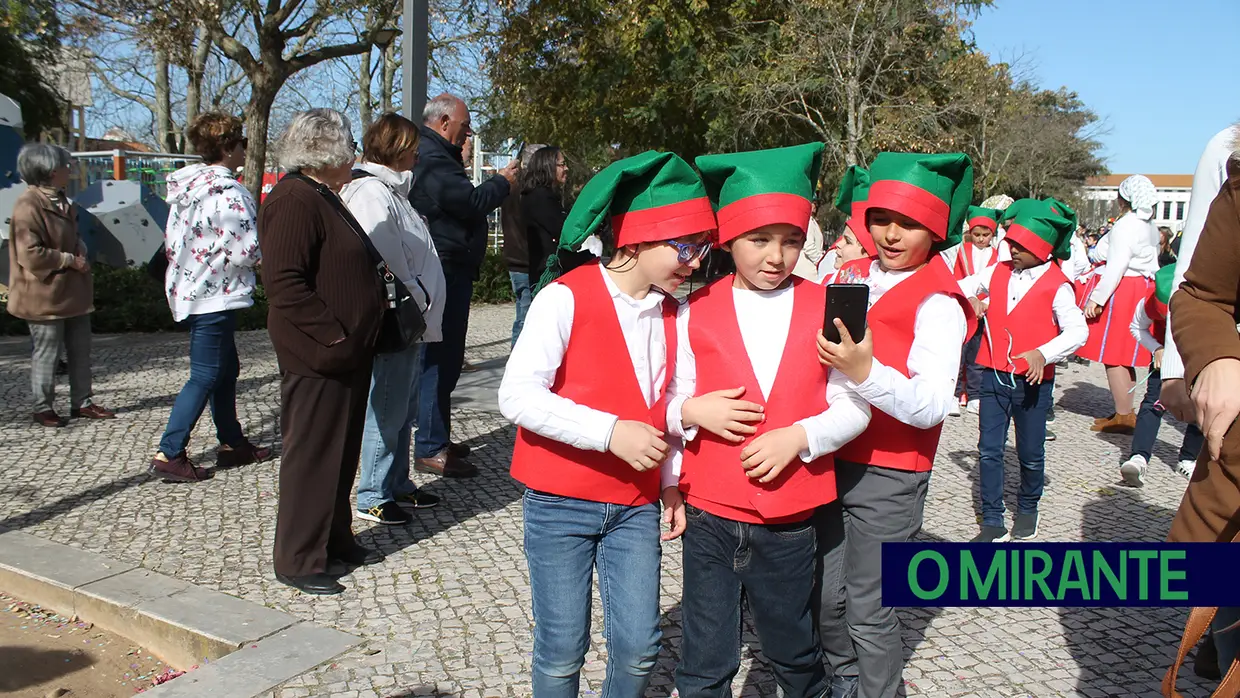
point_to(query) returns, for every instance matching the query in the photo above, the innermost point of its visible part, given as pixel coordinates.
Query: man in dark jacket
(456, 212)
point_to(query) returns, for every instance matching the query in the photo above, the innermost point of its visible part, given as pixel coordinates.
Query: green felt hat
(1163, 287)
(851, 199)
(984, 218)
(934, 190)
(1044, 227)
(761, 187)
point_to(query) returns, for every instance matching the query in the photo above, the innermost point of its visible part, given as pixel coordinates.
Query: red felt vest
(1030, 324)
(712, 478)
(1157, 313)
(888, 442)
(598, 372)
(964, 261)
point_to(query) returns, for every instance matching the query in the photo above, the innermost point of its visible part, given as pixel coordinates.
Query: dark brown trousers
(321, 420)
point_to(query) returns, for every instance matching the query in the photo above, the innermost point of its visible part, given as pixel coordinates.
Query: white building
(1173, 194)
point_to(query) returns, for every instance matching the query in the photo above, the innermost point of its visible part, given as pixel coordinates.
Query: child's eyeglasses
(687, 252)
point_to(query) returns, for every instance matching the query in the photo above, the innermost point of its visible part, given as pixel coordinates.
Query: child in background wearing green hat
(905, 368)
(586, 385)
(761, 419)
(1032, 323)
(975, 254)
(855, 242)
(1149, 326)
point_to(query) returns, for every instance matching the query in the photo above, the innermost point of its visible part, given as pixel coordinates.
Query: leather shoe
(444, 465)
(49, 418)
(319, 584)
(459, 450)
(1119, 424)
(92, 412)
(361, 556)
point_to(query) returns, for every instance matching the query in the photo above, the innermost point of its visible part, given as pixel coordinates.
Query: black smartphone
(849, 303)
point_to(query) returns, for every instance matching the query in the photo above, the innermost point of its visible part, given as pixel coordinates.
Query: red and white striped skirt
(1110, 343)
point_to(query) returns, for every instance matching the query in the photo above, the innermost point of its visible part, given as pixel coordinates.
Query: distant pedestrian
(517, 249)
(542, 206)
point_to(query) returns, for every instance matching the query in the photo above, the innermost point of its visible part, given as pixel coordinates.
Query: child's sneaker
(1133, 471)
(991, 534)
(1025, 527)
(954, 411)
(1185, 469)
(975, 406)
(1050, 435)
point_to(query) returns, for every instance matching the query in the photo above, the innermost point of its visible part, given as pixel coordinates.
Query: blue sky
(1151, 68)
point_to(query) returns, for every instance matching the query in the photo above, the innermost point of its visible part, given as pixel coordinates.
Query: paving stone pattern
(448, 612)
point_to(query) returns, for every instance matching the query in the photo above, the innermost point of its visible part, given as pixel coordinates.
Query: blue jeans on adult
(213, 371)
(566, 539)
(391, 411)
(1010, 398)
(441, 366)
(774, 566)
(1149, 419)
(522, 293)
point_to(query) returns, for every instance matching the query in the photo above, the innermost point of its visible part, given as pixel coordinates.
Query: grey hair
(37, 161)
(316, 138)
(440, 107)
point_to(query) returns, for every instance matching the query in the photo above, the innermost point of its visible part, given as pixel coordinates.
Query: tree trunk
(364, 104)
(196, 72)
(257, 115)
(165, 134)
(389, 78)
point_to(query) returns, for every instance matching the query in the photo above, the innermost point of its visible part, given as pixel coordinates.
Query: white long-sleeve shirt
(1140, 329)
(1073, 332)
(525, 396)
(765, 318)
(380, 203)
(1208, 179)
(1078, 266)
(924, 398)
(1131, 250)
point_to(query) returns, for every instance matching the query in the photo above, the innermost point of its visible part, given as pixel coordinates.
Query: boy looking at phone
(761, 419)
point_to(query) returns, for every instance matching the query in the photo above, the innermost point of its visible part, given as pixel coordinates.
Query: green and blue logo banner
(1060, 574)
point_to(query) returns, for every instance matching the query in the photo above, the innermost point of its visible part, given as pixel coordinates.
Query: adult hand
(979, 307)
(1216, 394)
(769, 454)
(1175, 398)
(1092, 310)
(673, 513)
(511, 171)
(850, 358)
(1158, 359)
(723, 414)
(1037, 364)
(638, 444)
(80, 264)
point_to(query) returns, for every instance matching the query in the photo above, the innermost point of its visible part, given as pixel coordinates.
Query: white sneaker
(1133, 471)
(975, 406)
(1185, 468)
(955, 410)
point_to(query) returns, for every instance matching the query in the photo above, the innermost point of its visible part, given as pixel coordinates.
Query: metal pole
(415, 28)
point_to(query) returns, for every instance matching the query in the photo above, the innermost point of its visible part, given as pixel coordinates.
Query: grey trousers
(46, 338)
(860, 638)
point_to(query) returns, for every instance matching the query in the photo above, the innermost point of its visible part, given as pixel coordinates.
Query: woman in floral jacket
(212, 247)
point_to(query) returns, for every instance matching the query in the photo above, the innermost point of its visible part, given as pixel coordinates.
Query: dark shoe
(1025, 527)
(459, 450)
(244, 453)
(1050, 416)
(1205, 663)
(1050, 435)
(989, 534)
(418, 499)
(49, 419)
(843, 687)
(361, 556)
(445, 465)
(92, 412)
(62, 368)
(387, 513)
(178, 469)
(318, 584)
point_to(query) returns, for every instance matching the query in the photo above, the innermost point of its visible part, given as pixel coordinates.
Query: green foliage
(493, 284)
(29, 39)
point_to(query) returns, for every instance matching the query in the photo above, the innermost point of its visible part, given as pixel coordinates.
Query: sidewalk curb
(242, 648)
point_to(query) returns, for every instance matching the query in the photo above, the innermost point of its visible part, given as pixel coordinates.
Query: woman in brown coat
(50, 285)
(325, 301)
(1206, 311)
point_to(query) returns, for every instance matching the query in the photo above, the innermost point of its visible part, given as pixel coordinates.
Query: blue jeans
(391, 411)
(1025, 406)
(213, 371)
(970, 381)
(565, 540)
(441, 366)
(1227, 643)
(522, 293)
(774, 566)
(1149, 419)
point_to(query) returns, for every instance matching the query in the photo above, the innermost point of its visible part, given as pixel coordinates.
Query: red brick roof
(1162, 181)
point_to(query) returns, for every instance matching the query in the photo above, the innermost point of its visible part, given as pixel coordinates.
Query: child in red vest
(975, 255)
(1032, 323)
(585, 384)
(906, 368)
(1149, 327)
(761, 419)
(855, 242)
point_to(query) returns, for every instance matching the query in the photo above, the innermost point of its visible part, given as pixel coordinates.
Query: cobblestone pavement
(448, 612)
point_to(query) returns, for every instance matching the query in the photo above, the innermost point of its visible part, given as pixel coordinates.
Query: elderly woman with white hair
(1124, 282)
(326, 302)
(50, 285)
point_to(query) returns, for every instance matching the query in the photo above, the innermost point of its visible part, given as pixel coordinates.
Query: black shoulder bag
(403, 321)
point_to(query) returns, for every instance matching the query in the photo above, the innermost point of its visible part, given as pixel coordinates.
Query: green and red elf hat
(761, 187)
(984, 218)
(934, 190)
(1044, 227)
(651, 197)
(1163, 288)
(854, 190)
